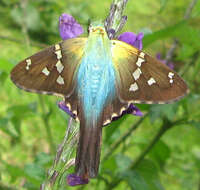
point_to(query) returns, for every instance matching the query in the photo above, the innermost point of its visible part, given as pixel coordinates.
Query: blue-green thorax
(96, 77)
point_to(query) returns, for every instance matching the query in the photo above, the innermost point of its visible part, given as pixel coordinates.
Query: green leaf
(148, 170)
(186, 51)
(194, 123)
(167, 110)
(160, 153)
(112, 130)
(135, 180)
(16, 122)
(123, 162)
(143, 177)
(22, 110)
(5, 65)
(3, 77)
(43, 159)
(8, 129)
(109, 165)
(32, 19)
(14, 171)
(163, 4)
(30, 186)
(182, 31)
(163, 33)
(35, 173)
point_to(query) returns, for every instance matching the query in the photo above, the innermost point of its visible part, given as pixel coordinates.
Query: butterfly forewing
(51, 71)
(143, 79)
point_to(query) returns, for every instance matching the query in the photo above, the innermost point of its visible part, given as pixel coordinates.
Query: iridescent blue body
(96, 77)
(96, 88)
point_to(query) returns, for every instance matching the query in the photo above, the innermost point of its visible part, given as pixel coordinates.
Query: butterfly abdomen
(96, 87)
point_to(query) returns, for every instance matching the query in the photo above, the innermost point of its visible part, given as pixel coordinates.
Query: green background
(163, 153)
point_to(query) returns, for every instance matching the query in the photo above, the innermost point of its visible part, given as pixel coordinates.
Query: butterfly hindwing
(51, 71)
(112, 110)
(143, 79)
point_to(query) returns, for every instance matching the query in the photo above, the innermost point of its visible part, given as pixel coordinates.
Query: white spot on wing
(137, 73)
(28, 63)
(149, 102)
(170, 75)
(57, 47)
(60, 80)
(46, 71)
(133, 87)
(68, 105)
(139, 62)
(114, 115)
(74, 112)
(137, 101)
(161, 102)
(59, 66)
(107, 122)
(151, 81)
(59, 54)
(142, 54)
(122, 109)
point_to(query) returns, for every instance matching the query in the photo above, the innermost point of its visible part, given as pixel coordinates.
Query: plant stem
(156, 138)
(115, 20)
(161, 132)
(61, 146)
(61, 163)
(123, 138)
(23, 4)
(45, 119)
(189, 9)
(187, 15)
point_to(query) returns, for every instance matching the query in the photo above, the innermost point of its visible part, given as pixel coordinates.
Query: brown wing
(143, 79)
(51, 71)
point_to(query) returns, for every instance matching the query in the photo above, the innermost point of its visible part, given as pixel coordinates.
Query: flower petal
(134, 110)
(73, 180)
(69, 27)
(63, 107)
(132, 39)
(128, 37)
(138, 41)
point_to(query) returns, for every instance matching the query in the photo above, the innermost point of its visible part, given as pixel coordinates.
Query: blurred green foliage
(31, 126)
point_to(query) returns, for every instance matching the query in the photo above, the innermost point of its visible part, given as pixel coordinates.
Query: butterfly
(98, 78)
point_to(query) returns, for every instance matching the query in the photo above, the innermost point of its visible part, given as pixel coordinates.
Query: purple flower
(132, 109)
(132, 39)
(63, 107)
(68, 27)
(170, 64)
(73, 180)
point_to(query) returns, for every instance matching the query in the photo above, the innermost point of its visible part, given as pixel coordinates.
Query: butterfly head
(97, 28)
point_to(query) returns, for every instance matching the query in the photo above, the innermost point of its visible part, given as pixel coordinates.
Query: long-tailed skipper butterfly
(98, 78)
